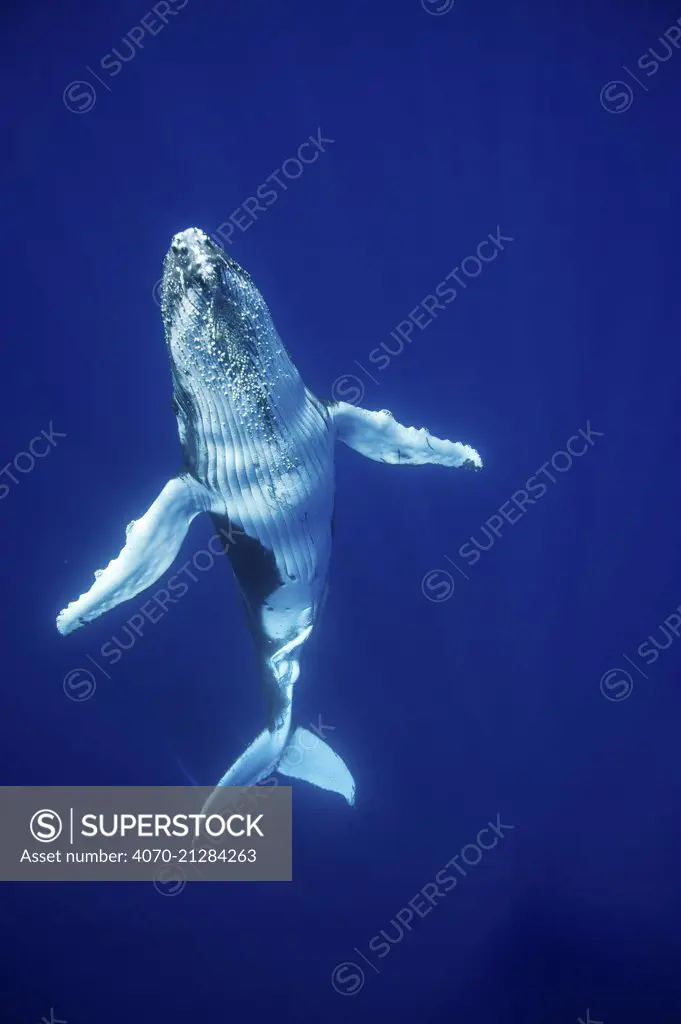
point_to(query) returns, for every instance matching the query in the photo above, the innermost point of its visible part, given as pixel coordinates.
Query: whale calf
(258, 451)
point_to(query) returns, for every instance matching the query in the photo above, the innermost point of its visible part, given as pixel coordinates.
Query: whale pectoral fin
(379, 436)
(151, 545)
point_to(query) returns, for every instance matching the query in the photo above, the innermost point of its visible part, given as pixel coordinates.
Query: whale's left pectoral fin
(379, 436)
(151, 545)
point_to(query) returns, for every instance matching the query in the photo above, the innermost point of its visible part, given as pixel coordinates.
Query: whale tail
(299, 754)
(306, 756)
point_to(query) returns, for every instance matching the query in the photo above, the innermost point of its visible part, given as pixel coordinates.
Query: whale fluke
(301, 756)
(304, 756)
(309, 758)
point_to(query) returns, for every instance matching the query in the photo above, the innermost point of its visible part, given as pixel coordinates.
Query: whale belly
(276, 487)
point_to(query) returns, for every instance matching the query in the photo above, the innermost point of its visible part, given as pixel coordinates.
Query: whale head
(218, 328)
(195, 261)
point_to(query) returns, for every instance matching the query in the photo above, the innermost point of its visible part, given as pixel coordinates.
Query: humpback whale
(258, 457)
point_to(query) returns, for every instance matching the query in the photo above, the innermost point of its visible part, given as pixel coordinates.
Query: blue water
(445, 127)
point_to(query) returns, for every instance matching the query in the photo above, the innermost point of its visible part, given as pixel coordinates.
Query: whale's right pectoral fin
(379, 436)
(151, 545)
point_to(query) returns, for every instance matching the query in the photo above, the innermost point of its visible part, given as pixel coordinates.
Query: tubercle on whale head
(195, 264)
(198, 256)
(213, 314)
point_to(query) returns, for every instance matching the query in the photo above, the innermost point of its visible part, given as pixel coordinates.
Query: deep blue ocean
(535, 686)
